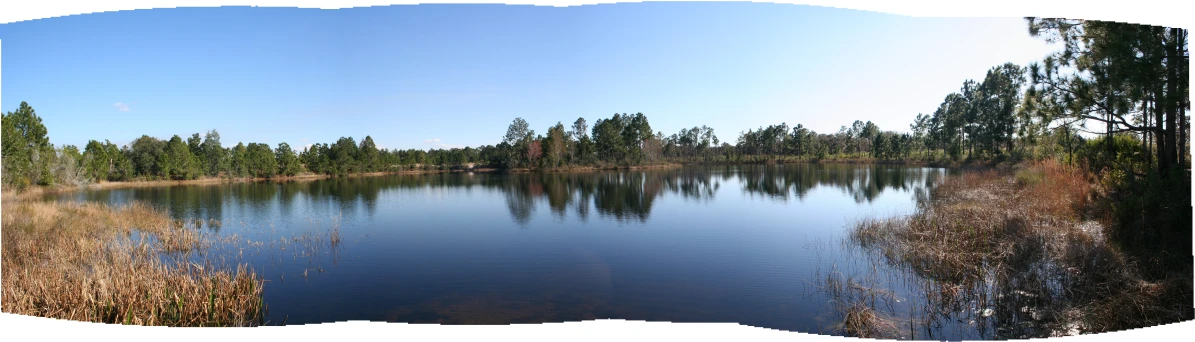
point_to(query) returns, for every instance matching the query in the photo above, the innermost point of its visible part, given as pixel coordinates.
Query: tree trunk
(1159, 132)
(1108, 143)
(1008, 140)
(1181, 98)
(1172, 97)
(1182, 139)
(970, 146)
(1145, 136)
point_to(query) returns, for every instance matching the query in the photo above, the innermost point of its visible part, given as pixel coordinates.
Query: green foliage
(176, 161)
(195, 147)
(315, 158)
(517, 138)
(27, 151)
(691, 144)
(239, 161)
(216, 158)
(260, 161)
(1119, 151)
(30, 159)
(556, 146)
(636, 132)
(860, 139)
(1133, 80)
(287, 160)
(1127, 77)
(147, 154)
(1152, 214)
(343, 155)
(369, 156)
(1029, 176)
(68, 167)
(97, 165)
(120, 166)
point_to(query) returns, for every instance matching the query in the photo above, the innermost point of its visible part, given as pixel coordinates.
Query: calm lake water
(744, 244)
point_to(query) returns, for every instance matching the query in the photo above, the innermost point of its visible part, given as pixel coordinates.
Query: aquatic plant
(99, 263)
(1013, 254)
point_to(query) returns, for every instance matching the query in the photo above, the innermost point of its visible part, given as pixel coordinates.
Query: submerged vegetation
(1016, 253)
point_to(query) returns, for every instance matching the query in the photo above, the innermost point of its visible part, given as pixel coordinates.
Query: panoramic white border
(1153, 12)
(1157, 12)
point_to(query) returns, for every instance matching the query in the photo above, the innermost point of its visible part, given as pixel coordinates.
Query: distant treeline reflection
(625, 196)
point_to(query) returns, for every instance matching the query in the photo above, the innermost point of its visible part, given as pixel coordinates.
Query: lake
(750, 244)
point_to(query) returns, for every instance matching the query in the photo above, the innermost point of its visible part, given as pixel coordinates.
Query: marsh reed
(117, 264)
(1011, 253)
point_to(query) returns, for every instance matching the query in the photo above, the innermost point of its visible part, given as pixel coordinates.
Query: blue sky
(433, 76)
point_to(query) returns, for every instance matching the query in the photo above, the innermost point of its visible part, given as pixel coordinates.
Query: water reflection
(862, 182)
(624, 196)
(629, 195)
(447, 247)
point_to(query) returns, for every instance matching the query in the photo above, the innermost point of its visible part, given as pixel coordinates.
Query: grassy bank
(1018, 252)
(92, 262)
(33, 192)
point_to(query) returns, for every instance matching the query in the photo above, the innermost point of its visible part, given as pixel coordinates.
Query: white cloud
(122, 106)
(437, 144)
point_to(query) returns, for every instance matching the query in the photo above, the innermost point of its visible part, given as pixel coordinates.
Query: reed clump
(117, 264)
(863, 321)
(859, 307)
(1016, 251)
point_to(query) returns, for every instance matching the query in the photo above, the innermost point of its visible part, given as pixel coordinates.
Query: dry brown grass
(1065, 191)
(1021, 242)
(92, 262)
(859, 306)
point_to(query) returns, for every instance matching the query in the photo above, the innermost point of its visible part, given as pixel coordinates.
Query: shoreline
(37, 191)
(934, 163)
(595, 168)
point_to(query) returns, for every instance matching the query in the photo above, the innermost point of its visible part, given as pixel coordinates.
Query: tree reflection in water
(863, 182)
(627, 196)
(301, 210)
(624, 196)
